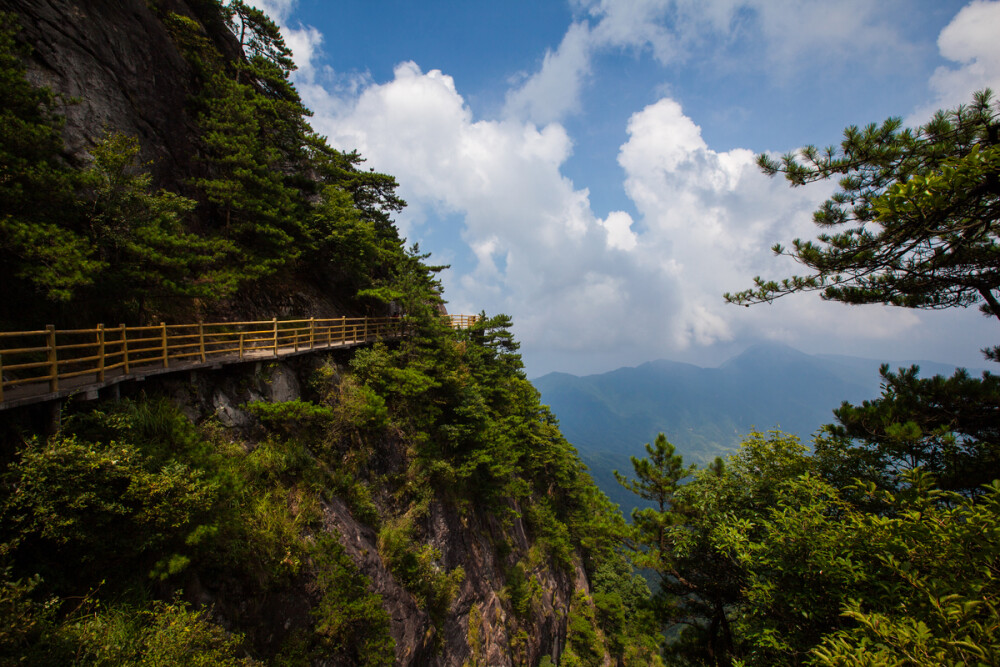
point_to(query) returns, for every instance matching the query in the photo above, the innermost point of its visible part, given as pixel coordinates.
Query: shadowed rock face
(467, 539)
(117, 69)
(117, 61)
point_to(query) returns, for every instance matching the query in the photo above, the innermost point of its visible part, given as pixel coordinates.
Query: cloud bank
(970, 42)
(590, 292)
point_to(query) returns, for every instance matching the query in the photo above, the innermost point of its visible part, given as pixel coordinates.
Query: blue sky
(586, 166)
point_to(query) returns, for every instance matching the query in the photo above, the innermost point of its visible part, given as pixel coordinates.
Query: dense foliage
(99, 241)
(949, 427)
(131, 504)
(882, 544)
(135, 536)
(763, 560)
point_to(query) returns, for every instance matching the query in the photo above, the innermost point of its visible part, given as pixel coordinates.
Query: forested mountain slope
(704, 412)
(409, 504)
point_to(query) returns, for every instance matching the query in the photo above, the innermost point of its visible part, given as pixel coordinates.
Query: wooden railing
(52, 355)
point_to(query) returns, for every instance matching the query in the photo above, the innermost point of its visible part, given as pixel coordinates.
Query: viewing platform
(52, 364)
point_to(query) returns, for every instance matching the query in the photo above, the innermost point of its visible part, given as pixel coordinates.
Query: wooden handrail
(46, 356)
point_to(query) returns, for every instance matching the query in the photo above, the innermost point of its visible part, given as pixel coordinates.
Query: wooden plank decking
(51, 364)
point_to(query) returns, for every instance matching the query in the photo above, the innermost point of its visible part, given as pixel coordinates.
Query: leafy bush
(551, 534)
(159, 633)
(293, 418)
(349, 617)
(936, 594)
(23, 620)
(416, 568)
(154, 425)
(163, 634)
(93, 503)
(522, 589)
(583, 647)
(361, 407)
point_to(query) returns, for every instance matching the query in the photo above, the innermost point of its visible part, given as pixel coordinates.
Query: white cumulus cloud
(573, 281)
(588, 293)
(554, 90)
(970, 41)
(714, 216)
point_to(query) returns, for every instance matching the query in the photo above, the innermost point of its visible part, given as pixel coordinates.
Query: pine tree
(657, 480)
(253, 204)
(916, 222)
(39, 245)
(140, 237)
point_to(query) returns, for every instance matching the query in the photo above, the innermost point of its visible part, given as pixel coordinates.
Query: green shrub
(350, 620)
(552, 534)
(164, 634)
(522, 589)
(474, 638)
(153, 425)
(293, 418)
(23, 620)
(416, 568)
(583, 647)
(273, 461)
(95, 503)
(268, 538)
(357, 494)
(361, 406)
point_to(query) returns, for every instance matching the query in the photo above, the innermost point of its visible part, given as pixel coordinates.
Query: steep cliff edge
(318, 512)
(483, 547)
(409, 504)
(118, 68)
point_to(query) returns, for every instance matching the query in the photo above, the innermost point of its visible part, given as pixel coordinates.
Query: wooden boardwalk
(51, 364)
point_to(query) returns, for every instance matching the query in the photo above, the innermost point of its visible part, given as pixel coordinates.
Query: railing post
(124, 348)
(100, 353)
(364, 335)
(343, 328)
(201, 341)
(50, 342)
(163, 341)
(312, 333)
(241, 344)
(274, 322)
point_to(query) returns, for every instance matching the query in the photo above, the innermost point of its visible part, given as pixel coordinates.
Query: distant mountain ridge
(705, 412)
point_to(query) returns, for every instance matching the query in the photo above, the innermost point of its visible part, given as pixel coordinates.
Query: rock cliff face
(116, 67)
(466, 538)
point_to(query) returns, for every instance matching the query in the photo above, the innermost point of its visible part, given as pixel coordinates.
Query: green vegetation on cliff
(269, 202)
(183, 527)
(160, 529)
(108, 526)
